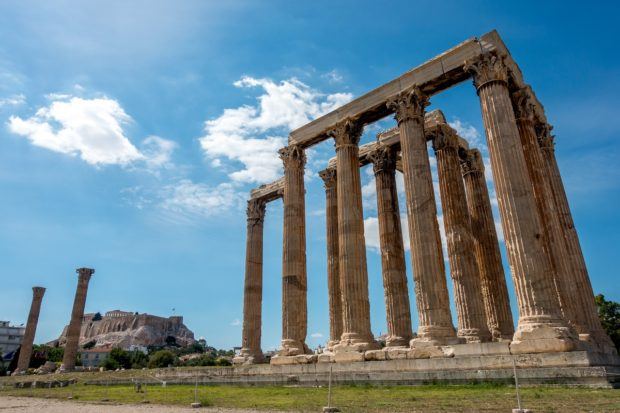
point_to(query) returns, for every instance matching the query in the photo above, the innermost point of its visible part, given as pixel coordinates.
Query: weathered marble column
(398, 311)
(25, 351)
(333, 275)
(431, 291)
(77, 314)
(253, 289)
(486, 247)
(541, 327)
(595, 332)
(294, 282)
(472, 323)
(563, 278)
(356, 332)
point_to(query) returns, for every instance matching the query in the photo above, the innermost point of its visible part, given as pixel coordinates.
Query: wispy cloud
(13, 100)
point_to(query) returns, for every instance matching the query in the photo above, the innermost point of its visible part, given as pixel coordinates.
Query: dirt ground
(34, 405)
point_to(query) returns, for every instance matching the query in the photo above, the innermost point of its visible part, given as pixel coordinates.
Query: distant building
(10, 339)
(94, 357)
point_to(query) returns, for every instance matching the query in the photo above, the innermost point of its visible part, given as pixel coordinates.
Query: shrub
(162, 358)
(609, 313)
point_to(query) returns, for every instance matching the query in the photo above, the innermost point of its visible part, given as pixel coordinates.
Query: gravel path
(33, 405)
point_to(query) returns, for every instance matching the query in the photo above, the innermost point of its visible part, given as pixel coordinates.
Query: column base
(597, 342)
(247, 357)
(543, 338)
(63, 369)
(436, 336)
(474, 335)
(497, 335)
(397, 341)
(18, 373)
(293, 348)
(331, 344)
(354, 342)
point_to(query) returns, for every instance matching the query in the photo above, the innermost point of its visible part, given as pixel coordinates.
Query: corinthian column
(563, 278)
(392, 249)
(435, 323)
(253, 289)
(333, 276)
(541, 327)
(356, 333)
(77, 314)
(486, 247)
(294, 283)
(585, 294)
(472, 323)
(25, 351)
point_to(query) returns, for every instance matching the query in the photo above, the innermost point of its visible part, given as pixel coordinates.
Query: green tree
(55, 354)
(609, 313)
(121, 357)
(162, 358)
(138, 359)
(109, 364)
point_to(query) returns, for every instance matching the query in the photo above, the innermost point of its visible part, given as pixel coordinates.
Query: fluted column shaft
(253, 288)
(333, 277)
(77, 314)
(563, 279)
(356, 334)
(294, 282)
(577, 263)
(394, 273)
(541, 327)
(486, 247)
(472, 323)
(435, 323)
(25, 351)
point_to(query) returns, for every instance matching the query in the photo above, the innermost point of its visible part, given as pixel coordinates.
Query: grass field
(478, 398)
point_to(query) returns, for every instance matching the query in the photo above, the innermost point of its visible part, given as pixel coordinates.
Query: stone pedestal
(333, 276)
(25, 351)
(435, 323)
(486, 247)
(356, 334)
(395, 287)
(77, 314)
(294, 282)
(472, 323)
(541, 327)
(253, 289)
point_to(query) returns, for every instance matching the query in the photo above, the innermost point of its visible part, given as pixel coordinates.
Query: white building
(10, 339)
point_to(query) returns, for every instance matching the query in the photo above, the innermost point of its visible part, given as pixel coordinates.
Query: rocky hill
(125, 329)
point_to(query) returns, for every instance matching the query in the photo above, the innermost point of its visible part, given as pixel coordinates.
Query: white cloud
(467, 132)
(333, 76)
(251, 135)
(235, 323)
(316, 335)
(92, 129)
(13, 100)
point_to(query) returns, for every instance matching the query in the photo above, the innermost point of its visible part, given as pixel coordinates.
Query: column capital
(256, 210)
(443, 137)
(85, 272)
(545, 138)
(38, 292)
(329, 177)
(293, 156)
(523, 105)
(472, 162)
(409, 104)
(487, 68)
(346, 132)
(383, 160)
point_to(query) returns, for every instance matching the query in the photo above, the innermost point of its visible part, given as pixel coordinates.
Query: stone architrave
(541, 327)
(431, 291)
(25, 351)
(329, 177)
(253, 290)
(398, 311)
(356, 332)
(486, 247)
(77, 314)
(294, 281)
(472, 323)
(563, 277)
(577, 262)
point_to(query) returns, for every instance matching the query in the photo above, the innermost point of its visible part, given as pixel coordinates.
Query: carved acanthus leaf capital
(346, 132)
(472, 162)
(85, 273)
(443, 137)
(383, 160)
(408, 105)
(523, 105)
(293, 156)
(329, 177)
(256, 210)
(487, 68)
(38, 292)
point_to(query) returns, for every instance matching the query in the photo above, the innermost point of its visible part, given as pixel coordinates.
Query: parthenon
(555, 300)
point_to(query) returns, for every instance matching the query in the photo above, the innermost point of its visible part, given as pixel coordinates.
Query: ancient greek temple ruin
(555, 301)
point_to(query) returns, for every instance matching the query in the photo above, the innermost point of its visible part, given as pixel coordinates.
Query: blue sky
(113, 116)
